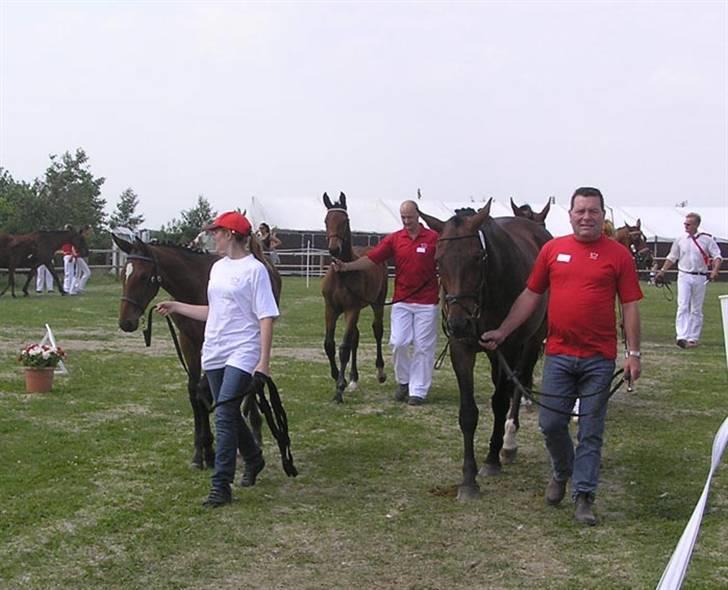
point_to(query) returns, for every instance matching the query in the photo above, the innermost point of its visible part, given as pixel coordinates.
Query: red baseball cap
(231, 220)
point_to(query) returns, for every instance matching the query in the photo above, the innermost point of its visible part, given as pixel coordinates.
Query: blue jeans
(570, 377)
(230, 426)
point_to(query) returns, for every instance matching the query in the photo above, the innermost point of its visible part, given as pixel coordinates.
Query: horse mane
(179, 247)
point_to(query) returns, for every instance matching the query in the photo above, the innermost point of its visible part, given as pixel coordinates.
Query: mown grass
(96, 491)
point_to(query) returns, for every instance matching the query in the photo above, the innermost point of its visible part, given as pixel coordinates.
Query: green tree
(123, 215)
(71, 194)
(20, 204)
(184, 230)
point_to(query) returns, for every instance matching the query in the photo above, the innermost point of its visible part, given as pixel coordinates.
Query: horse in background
(632, 238)
(35, 249)
(527, 212)
(184, 274)
(484, 264)
(348, 293)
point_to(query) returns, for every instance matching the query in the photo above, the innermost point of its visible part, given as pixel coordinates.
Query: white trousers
(83, 272)
(43, 279)
(413, 339)
(69, 272)
(690, 297)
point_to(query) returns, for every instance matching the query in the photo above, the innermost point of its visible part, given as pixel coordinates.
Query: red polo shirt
(583, 279)
(415, 279)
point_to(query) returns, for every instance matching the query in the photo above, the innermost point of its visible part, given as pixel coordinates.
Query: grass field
(96, 492)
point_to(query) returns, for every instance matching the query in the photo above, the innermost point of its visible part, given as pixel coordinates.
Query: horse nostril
(128, 325)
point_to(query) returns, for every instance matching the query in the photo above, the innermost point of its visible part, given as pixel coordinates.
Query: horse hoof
(508, 456)
(338, 398)
(196, 465)
(381, 378)
(468, 493)
(490, 470)
(353, 385)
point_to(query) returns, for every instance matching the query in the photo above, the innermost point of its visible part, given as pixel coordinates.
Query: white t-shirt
(239, 295)
(688, 257)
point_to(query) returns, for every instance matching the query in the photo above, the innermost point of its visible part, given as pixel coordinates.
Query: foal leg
(354, 370)
(352, 316)
(500, 402)
(378, 329)
(329, 343)
(463, 362)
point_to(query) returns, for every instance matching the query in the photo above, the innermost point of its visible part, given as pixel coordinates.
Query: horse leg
(352, 316)
(56, 280)
(31, 273)
(201, 401)
(463, 362)
(329, 343)
(500, 402)
(354, 370)
(378, 329)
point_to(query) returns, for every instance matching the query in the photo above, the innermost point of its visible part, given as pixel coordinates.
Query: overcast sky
(477, 99)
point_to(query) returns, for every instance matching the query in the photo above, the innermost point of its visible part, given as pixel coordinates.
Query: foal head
(338, 232)
(461, 262)
(141, 282)
(528, 213)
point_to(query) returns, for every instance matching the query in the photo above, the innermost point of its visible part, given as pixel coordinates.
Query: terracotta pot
(38, 380)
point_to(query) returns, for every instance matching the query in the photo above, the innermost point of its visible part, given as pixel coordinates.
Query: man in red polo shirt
(583, 273)
(413, 326)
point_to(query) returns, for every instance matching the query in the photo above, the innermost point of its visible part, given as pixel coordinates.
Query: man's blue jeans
(569, 377)
(231, 428)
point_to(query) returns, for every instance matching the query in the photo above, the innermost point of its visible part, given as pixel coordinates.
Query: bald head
(410, 217)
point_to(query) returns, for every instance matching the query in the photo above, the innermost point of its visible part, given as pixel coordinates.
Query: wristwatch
(634, 353)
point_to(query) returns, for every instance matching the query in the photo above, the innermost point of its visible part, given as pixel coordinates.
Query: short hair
(587, 191)
(695, 216)
(264, 226)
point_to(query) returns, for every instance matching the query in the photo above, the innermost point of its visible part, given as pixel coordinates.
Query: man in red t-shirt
(582, 273)
(413, 326)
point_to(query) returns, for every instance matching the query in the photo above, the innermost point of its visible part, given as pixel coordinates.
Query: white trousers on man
(413, 338)
(83, 272)
(43, 279)
(69, 272)
(690, 297)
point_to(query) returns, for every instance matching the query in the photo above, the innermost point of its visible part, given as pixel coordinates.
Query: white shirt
(688, 257)
(239, 295)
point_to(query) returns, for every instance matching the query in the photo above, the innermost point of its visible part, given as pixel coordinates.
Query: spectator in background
(69, 264)
(43, 279)
(269, 241)
(83, 272)
(698, 261)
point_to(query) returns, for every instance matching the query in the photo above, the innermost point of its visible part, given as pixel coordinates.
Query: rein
(275, 415)
(530, 394)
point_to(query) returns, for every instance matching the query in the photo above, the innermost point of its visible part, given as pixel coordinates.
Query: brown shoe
(401, 393)
(682, 343)
(555, 491)
(415, 400)
(583, 512)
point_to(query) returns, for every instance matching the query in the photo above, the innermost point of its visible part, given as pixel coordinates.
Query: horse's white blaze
(509, 439)
(128, 270)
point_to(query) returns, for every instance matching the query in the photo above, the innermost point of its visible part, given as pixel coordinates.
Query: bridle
(154, 281)
(472, 313)
(331, 236)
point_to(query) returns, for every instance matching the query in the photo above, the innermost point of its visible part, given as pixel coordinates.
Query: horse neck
(184, 274)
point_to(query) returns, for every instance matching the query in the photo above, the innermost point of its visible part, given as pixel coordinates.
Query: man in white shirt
(698, 262)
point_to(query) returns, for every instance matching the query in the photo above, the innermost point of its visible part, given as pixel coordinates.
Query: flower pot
(38, 380)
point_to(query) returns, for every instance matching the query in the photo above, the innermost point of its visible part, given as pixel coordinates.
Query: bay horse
(526, 212)
(632, 238)
(484, 263)
(184, 274)
(33, 250)
(349, 293)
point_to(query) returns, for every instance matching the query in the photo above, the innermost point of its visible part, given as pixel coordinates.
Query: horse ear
(433, 222)
(515, 208)
(327, 201)
(639, 224)
(342, 200)
(477, 220)
(545, 211)
(124, 246)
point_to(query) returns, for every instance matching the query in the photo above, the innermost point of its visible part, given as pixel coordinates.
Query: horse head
(527, 212)
(78, 241)
(461, 261)
(338, 232)
(632, 237)
(140, 282)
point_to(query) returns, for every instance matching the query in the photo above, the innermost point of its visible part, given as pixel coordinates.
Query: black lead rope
(148, 338)
(275, 416)
(529, 394)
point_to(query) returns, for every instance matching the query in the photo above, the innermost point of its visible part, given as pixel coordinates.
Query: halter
(474, 315)
(330, 236)
(155, 280)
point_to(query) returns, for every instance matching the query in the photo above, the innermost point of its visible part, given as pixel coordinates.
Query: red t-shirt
(583, 279)
(67, 249)
(415, 278)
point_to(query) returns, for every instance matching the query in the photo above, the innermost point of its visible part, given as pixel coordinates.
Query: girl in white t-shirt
(238, 338)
